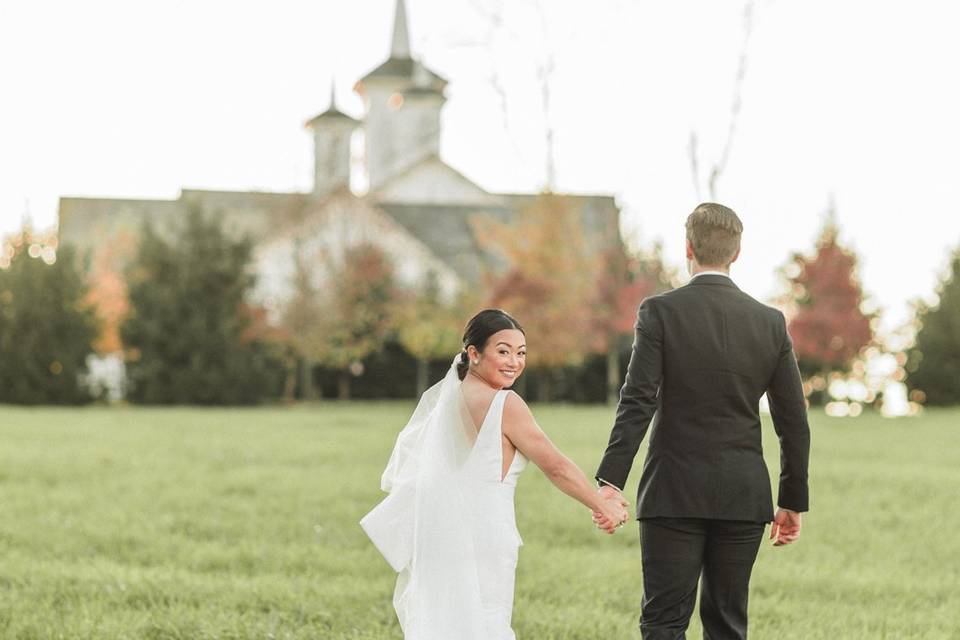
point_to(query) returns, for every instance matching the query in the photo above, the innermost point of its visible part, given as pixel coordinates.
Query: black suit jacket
(703, 356)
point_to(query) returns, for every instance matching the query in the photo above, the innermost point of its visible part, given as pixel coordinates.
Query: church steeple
(400, 45)
(332, 111)
(332, 130)
(403, 100)
(398, 69)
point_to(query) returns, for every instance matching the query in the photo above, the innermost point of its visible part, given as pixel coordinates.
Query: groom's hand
(610, 493)
(785, 527)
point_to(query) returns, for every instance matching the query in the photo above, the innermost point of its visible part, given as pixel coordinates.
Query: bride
(448, 525)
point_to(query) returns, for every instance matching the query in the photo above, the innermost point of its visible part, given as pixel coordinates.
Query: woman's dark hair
(478, 331)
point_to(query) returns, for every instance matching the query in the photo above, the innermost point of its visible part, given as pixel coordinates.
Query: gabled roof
(448, 230)
(403, 69)
(332, 112)
(387, 190)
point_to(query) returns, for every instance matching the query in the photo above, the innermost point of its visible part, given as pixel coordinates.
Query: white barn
(417, 208)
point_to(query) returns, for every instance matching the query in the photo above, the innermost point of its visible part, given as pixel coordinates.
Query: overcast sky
(856, 101)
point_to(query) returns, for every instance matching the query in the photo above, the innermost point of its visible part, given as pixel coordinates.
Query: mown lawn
(232, 523)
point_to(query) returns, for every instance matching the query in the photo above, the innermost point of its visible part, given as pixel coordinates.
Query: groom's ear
(690, 255)
(735, 256)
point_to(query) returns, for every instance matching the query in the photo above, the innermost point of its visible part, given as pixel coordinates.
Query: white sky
(856, 100)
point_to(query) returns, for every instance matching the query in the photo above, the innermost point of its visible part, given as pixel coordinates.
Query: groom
(703, 356)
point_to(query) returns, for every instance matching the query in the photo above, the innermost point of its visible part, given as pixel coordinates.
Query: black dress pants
(679, 552)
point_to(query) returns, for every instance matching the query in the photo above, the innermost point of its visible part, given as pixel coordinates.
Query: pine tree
(46, 328)
(933, 364)
(186, 333)
(828, 325)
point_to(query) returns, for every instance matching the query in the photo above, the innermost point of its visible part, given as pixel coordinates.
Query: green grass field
(193, 523)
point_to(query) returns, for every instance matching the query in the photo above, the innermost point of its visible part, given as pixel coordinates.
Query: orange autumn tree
(548, 283)
(108, 289)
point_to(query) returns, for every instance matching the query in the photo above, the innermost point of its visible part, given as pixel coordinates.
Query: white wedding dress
(448, 526)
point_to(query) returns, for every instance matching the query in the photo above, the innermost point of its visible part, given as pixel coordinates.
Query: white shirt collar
(711, 273)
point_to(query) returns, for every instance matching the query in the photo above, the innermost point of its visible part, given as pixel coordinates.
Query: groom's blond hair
(714, 233)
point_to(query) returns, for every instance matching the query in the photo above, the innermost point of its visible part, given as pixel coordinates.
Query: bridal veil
(423, 527)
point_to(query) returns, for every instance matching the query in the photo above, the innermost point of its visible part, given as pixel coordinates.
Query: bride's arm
(526, 435)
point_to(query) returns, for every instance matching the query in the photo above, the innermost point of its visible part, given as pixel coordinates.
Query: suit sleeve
(789, 412)
(638, 398)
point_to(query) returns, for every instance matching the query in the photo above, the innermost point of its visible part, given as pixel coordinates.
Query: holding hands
(611, 510)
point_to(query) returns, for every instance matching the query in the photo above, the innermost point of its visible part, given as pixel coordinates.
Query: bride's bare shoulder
(515, 409)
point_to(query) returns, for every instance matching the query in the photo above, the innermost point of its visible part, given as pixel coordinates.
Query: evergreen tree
(187, 331)
(829, 326)
(46, 329)
(933, 364)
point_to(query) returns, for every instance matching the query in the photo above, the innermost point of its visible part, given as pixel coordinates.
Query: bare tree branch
(488, 32)
(492, 14)
(716, 171)
(736, 104)
(545, 76)
(694, 164)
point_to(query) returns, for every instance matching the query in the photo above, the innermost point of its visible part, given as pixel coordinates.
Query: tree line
(182, 314)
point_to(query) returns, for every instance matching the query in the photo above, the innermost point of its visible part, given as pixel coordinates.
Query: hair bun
(462, 364)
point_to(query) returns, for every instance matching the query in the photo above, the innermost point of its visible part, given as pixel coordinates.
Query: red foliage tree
(624, 281)
(828, 324)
